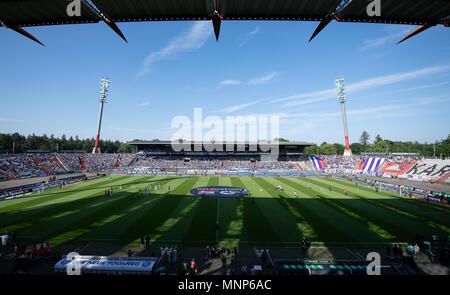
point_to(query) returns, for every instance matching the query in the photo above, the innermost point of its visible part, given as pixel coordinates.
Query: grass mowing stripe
(178, 224)
(65, 228)
(397, 205)
(405, 224)
(203, 224)
(391, 195)
(375, 215)
(48, 195)
(256, 226)
(330, 224)
(304, 228)
(116, 225)
(231, 220)
(276, 214)
(155, 217)
(37, 214)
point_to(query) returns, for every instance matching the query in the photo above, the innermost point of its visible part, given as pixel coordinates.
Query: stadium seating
(48, 163)
(163, 162)
(397, 166)
(95, 162)
(29, 165)
(19, 166)
(372, 164)
(70, 160)
(336, 162)
(430, 169)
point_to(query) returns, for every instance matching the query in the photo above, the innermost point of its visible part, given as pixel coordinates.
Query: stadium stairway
(6, 175)
(61, 162)
(401, 167)
(39, 164)
(133, 161)
(298, 167)
(443, 178)
(82, 164)
(117, 165)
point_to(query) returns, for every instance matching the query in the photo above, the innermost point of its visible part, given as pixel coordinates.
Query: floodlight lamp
(340, 89)
(104, 90)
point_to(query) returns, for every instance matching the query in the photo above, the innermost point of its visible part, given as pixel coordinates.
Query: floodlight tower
(103, 99)
(341, 99)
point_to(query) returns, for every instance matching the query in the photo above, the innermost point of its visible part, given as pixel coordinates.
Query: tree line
(379, 145)
(36, 142)
(51, 143)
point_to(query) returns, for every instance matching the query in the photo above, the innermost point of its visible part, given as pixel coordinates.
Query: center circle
(219, 192)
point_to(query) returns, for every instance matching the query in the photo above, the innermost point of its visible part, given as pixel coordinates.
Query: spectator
(147, 242)
(244, 269)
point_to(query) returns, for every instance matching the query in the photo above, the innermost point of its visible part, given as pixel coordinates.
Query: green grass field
(81, 214)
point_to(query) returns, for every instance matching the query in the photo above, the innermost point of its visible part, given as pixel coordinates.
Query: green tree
(280, 139)
(356, 148)
(327, 149)
(377, 139)
(339, 148)
(311, 150)
(364, 140)
(379, 147)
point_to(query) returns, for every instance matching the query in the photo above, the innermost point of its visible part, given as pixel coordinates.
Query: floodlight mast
(341, 99)
(103, 99)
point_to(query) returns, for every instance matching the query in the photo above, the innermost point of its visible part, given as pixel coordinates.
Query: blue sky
(168, 68)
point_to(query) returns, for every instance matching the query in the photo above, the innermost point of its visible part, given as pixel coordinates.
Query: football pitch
(82, 214)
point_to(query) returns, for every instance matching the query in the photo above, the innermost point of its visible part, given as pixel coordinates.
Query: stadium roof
(16, 14)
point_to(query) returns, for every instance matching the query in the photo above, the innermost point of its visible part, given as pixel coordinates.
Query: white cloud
(421, 87)
(240, 106)
(229, 82)
(316, 96)
(9, 120)
(144, 104)
(376, 42)
(263, 79)
(254, 32)
(193, 39)
(370, 110)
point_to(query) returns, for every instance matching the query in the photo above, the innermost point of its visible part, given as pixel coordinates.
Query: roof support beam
(22, 32)
(105, 18)
(334, 12)
(216, 19)
(422, 28)
(415, 32)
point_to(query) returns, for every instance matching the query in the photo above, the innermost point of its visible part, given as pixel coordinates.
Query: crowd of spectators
(342, 162)
(125, 159)
(40, 164)
(48, 163)
(19, 165)
(161, 162)
(95, 162)
(71, 160)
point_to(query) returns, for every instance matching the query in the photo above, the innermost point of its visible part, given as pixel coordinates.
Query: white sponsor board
(105, 264)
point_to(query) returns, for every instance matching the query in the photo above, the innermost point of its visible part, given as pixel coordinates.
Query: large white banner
(92, 264)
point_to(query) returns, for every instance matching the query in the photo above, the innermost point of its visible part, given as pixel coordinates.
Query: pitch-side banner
(105, 265)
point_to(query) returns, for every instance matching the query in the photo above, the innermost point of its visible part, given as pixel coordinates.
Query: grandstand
(46, 164)
(434, 170)
(293, 151)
